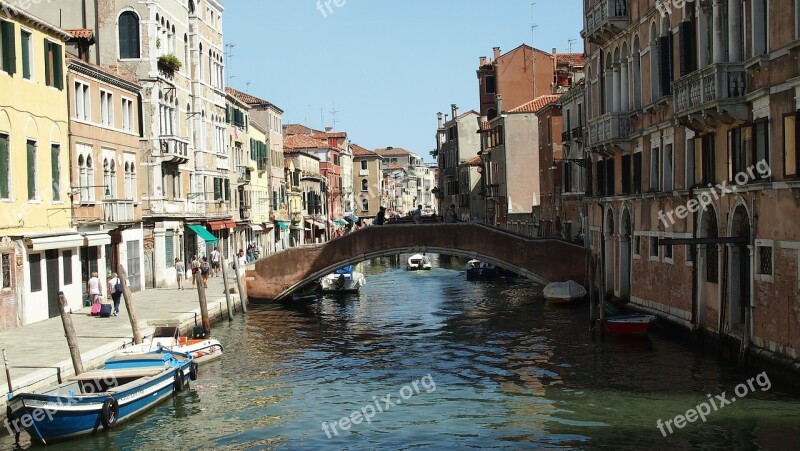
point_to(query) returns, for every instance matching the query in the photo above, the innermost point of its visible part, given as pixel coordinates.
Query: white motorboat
(343, 280)
(564, 292)
(478, 270)
(419, 262)
(168, 338)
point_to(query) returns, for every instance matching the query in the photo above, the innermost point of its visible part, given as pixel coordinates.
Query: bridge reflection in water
(539, 259)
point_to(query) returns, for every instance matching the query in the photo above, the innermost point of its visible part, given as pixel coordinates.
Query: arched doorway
(739, 275)
(608, 253)
(707, 266)
(625, 239)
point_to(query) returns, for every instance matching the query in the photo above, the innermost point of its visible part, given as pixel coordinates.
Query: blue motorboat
(101, 399)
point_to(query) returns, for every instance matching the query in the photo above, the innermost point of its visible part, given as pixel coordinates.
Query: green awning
(341, 222)
(203, 233)
(283, 225)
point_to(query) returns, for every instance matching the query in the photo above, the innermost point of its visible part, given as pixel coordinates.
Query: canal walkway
(37, 353)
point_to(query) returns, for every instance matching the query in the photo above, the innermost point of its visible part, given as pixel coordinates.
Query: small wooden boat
(626, 324)
(168, 337)
(478, 270)
(418, 262)
(101, 399)
(564, 292)
(343, 280)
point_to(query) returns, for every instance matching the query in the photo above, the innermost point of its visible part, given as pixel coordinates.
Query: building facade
(368, 181)
(458, 141)
(574, 165)
(551, 169)
(39, 246)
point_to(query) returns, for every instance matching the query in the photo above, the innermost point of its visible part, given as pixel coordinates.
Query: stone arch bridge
(541, 259)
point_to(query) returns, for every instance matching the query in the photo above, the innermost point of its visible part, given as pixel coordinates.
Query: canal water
(436, 362)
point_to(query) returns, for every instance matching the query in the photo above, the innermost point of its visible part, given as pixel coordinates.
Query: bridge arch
(539, 259)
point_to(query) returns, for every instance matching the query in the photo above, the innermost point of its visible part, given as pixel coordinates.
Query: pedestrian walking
(215, 261)
(380, 218)
(195, 268)
(251, 251)
(93, 288)
(180, 270)
(115, 288)
(205, 271)
(417, 215)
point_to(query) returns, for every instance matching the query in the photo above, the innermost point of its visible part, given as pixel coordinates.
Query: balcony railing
(119, 211)
(243, 176)
(610, 130)
(565, 137)
(716, 89)
(174, 148)
(577, 133)
(605, 20)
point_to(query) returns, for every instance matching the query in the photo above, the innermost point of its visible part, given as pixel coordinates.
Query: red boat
(627, 324)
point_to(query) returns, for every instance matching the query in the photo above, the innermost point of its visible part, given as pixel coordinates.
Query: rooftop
(536, 104)
(299, 129)
(392, 152)
(247, 98)
(292, 142)
(359, 151)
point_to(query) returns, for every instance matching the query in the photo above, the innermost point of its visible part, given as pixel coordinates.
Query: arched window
(364, 205)
(129, 47)
(364, 185)
(89, 178)
(83, 179)
(107, 177)
(112, 189)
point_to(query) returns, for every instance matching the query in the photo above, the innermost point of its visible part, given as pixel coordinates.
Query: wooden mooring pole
(201, 294)
(69, 330)
(227, 289)
(242, 296)
(122, 275)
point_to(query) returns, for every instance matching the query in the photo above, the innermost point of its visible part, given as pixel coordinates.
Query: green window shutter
(228, 115)
(26, 55)
(47, 65)
(217, 189)
(4, 160)
(58, 66)
(124, 38)
(31, 147)
(9, 48)
(228, 190)
(55, 171)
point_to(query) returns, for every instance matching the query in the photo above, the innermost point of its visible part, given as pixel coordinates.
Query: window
(626, 174)
(130, 180)
(5, 165)
(7, 47)
(655, 172)
(791, 133)
(53, 65)
(702, 153)
(169, 248)
(637, 245)
(32, 172)
(688, 43)
(668, 252)
(112, 188)
(83, 102)
(689, 253)
(6, 274)
(747, 146)
(668, 160)
(665, 62)
(364, 165)
(364, 185)
(129, 47)
(764, 264)
(55, 171)
(760, 27)
(637, 172)
(761, 141)
(127, 115)
(654, 255)
(106, 108)
(66, 259)
(365, 205)
(35, 269)
(491, 85)
(26, 44)
(107, 177)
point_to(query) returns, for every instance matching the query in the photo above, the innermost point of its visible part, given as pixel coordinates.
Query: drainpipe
(96, 30)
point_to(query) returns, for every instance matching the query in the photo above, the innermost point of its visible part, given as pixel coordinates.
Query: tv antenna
(334, 111)
(570, 41)
(533, 48)
(229, 57)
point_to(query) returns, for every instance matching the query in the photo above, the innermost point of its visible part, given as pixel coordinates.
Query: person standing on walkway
(418, 215)
(195, 269)
(115, 288)
(241, 261)
(93, 287)
(215, 261)
(380, 218)
(204, 271)
(180, 270)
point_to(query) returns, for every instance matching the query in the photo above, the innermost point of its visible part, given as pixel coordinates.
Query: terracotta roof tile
(359, 151)
(574, 59)
(293, 142)
(535, 104)
(81, 33)
(392, 151)
(246, 98)
(299, 129)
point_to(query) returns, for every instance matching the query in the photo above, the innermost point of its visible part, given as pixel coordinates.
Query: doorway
(740, 274)
(53, 278)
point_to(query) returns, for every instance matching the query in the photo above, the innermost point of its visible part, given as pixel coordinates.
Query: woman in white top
(93, 287)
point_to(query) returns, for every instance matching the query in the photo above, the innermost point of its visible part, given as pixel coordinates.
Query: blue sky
(387, 67)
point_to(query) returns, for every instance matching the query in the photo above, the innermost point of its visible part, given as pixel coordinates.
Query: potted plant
(170, 62)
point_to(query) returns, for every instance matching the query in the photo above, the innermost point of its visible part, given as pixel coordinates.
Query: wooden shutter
(4, 160)
(26, 55)
(9, 48)
(58, 65)
(31, 150)
(217, 188)
(47, 64)
(227, 190)
(665, 64)
(687, 43)
(55, 171)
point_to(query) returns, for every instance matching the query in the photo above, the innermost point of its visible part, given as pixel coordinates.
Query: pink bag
(96, 309)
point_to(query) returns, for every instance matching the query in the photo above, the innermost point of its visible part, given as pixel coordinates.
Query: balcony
(163, 207)
(711, 95)
(605, 20)
(119, 211)
(577, 133)
(243, 176)
(565, 137)
(174, 149)
(609, 132)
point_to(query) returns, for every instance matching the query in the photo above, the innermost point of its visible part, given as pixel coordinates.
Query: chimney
(483, 61)
(554, 51)
(496, 52)
(499, 104)
(328, 129)
(454, 110)
(439, 118)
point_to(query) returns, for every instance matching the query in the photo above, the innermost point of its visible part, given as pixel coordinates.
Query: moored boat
(168, 337)
(626, 324)
(343, 280)
(478, 270)
(419, 262)
(101, 399)
(564, 292)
